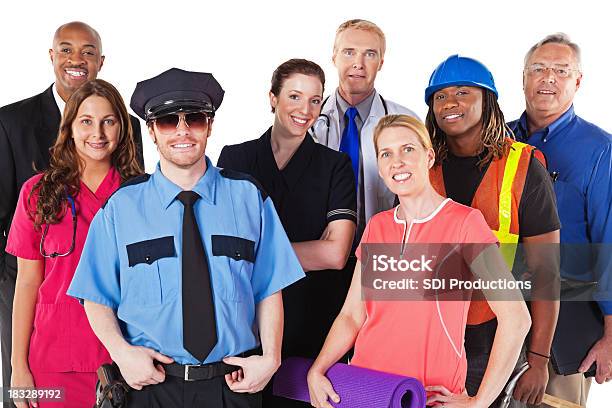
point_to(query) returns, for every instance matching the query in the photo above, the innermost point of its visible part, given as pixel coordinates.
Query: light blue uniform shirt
(131, 261)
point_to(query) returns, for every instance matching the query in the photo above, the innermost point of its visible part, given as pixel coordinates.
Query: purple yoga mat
(357, 387)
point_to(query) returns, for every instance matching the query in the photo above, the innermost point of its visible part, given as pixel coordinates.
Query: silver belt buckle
(187, 367)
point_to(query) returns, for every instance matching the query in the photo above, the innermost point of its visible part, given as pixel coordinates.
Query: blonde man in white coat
(350, 114)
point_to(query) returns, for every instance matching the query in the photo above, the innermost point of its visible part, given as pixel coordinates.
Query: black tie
(199, 327)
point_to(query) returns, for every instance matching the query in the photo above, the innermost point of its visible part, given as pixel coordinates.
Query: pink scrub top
(415, 338)
(62, 339)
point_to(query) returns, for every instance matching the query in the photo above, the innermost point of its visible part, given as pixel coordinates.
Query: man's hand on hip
(256, 372)
(137, 366)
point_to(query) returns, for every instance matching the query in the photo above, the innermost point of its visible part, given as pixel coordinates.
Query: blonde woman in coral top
(420, 338)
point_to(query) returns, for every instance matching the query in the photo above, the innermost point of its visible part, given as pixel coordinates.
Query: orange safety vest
(498, 197)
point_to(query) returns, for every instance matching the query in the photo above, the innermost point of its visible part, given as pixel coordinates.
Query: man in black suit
(28, 129)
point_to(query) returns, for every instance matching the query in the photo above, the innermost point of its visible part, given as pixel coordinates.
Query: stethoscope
(74, 225)
(328, 121)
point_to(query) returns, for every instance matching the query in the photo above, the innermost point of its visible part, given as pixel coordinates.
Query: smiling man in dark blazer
(28, 129)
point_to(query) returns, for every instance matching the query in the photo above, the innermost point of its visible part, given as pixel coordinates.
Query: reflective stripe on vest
(505, 205)
(498, 197)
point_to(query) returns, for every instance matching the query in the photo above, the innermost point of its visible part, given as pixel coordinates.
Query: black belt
(190, 372)
(198, 372)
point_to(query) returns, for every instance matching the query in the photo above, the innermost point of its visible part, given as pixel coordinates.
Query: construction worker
(478, 163)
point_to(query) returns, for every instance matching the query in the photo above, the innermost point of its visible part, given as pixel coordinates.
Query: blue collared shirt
(579, 155)
(132, 260)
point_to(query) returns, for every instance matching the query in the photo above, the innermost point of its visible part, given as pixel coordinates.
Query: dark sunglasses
(196, 121)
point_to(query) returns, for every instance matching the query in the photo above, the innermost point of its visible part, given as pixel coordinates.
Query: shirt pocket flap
(150, 250)
(233, 247)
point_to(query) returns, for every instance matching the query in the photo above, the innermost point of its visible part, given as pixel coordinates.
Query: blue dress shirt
(131, 261)
(579, 156)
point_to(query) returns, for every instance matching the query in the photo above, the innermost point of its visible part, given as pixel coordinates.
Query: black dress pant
(7, 293)
(177, 393)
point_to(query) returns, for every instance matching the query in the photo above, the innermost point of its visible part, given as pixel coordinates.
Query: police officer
(182, 270)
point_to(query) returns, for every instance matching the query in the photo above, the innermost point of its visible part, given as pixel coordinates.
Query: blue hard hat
(457, 71)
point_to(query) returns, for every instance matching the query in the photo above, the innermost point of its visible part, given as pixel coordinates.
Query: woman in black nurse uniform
(313, 190)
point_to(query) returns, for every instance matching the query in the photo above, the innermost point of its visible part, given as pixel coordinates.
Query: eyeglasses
(560, 71)
(46, 230)
(196, 121)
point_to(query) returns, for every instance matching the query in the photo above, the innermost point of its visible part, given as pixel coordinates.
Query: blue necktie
(350, 141)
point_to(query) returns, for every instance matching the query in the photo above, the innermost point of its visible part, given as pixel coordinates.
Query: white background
(242, 43)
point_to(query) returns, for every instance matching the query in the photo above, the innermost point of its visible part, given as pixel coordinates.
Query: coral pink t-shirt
(420, 339)
(62, 339)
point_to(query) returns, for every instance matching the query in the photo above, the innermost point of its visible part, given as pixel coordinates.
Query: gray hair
(557, 38)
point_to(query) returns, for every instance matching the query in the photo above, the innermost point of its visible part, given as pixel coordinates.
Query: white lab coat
(377, 195)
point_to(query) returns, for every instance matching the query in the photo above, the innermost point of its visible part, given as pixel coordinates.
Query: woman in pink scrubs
(420, 338)
(53, 344)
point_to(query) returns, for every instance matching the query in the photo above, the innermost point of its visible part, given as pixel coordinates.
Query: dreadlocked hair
(62, 178)
(494, 131)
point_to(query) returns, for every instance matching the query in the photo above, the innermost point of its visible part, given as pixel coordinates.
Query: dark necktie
(350, 141)
(199, 326)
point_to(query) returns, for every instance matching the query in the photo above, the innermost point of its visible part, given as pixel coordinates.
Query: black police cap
(176, 90)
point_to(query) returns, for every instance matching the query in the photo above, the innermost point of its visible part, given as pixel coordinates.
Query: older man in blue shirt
(185, 267)
(579, 157)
